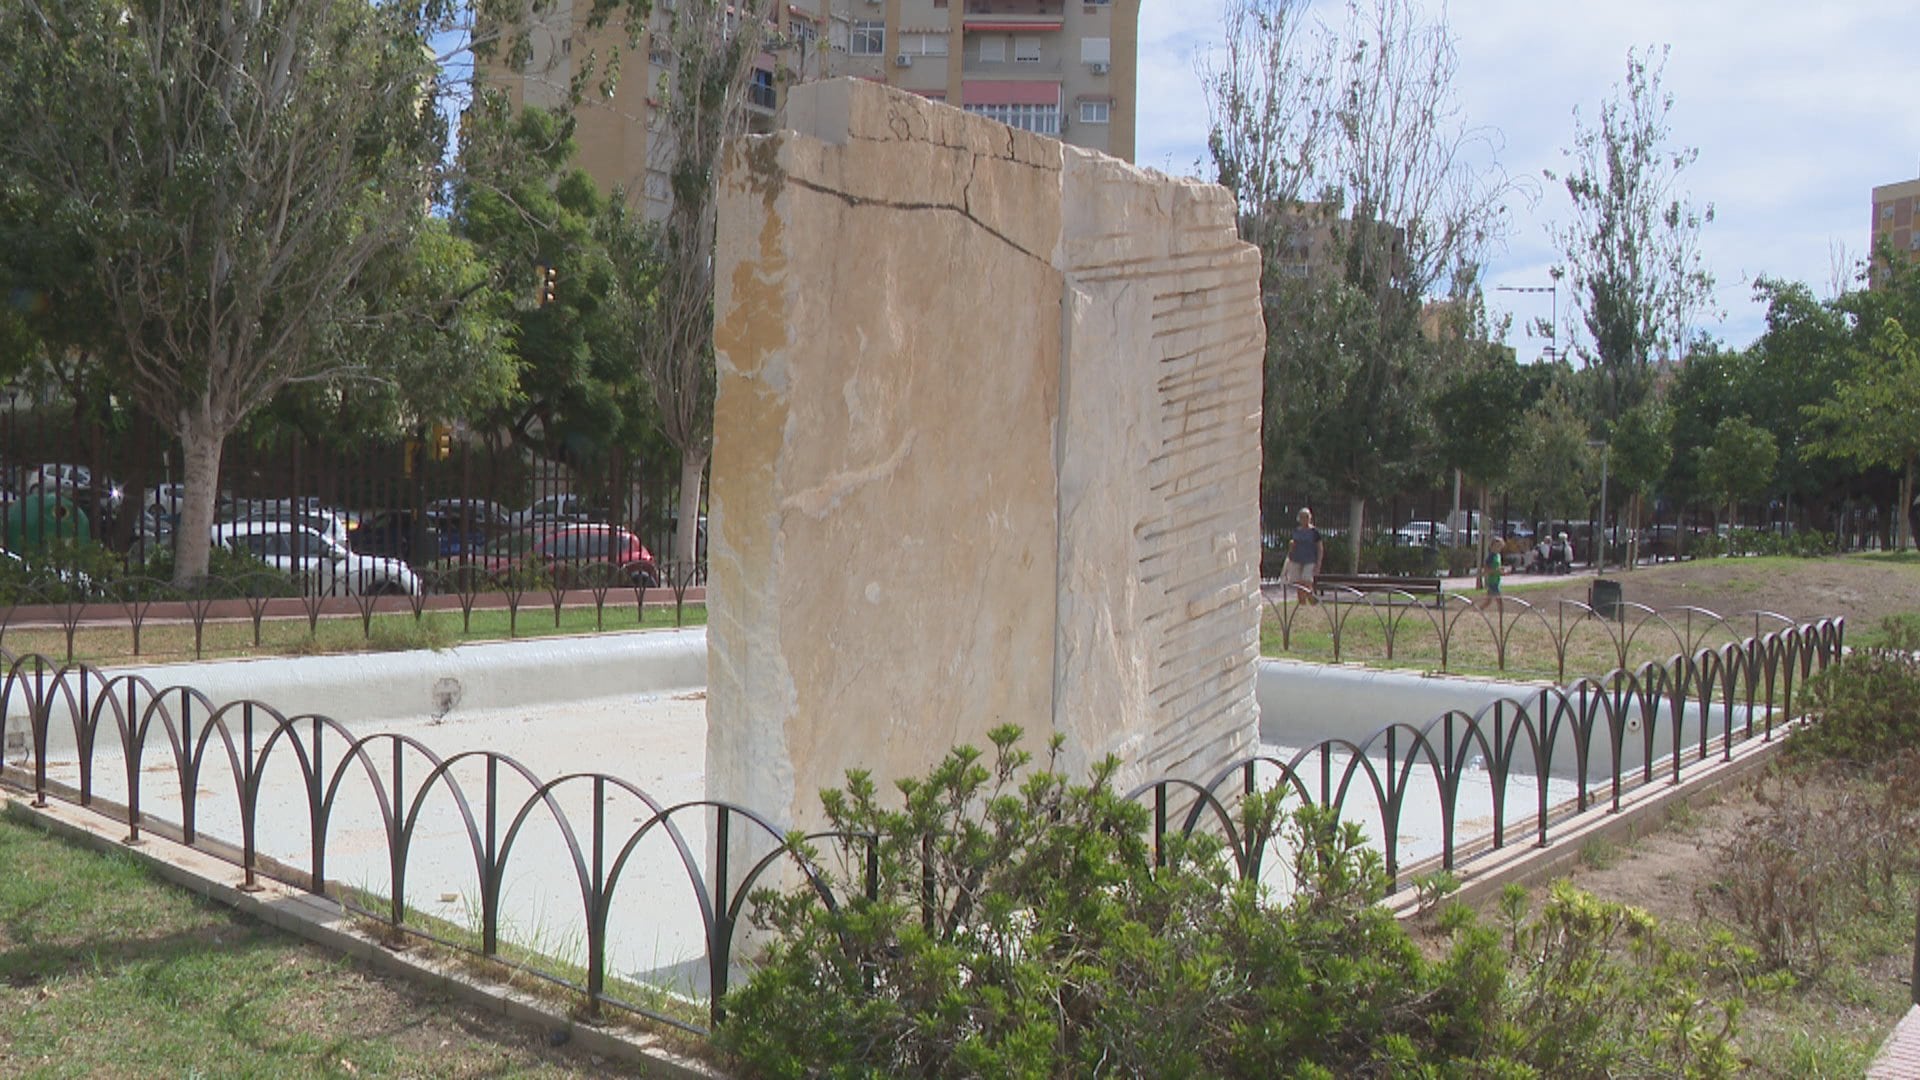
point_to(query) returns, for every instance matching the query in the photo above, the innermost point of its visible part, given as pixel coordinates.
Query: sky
(1798, 111)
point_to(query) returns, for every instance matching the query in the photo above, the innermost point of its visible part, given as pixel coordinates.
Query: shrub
(1405, 560)
(58, 570)
(229, 573)
(1866, 708)
(1021, 925)
(1821, 854)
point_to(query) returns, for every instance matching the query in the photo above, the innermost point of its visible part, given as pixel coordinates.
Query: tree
(230, 170)
(1355, 174)
(539, 218)
(1640, 450)
(1483, 399)
(1738, 464)
(1631, 248)
(1873, 417)
(711, 47)
(1552, 471)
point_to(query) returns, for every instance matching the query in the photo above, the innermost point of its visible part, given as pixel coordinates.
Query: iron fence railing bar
(1516, 739)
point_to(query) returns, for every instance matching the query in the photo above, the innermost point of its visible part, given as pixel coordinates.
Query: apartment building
(1065, 68)
(1894, 221)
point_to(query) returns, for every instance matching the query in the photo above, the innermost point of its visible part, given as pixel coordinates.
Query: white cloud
(1798, 110)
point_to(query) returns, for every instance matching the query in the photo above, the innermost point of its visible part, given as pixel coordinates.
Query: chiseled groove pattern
(1206, 299)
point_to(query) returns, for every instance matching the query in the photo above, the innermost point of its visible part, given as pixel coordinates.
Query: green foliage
(1738, 464)
(1867, 706)
(1020, 925)
(1553, 469)
(1632, 246)
(1398, 560)
(1873, 417)
(1804, 545)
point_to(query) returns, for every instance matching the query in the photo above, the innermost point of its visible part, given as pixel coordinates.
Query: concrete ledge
(325, 923)
(371, 687)
(1642, 811)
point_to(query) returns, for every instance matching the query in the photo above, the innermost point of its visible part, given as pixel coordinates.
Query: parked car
(326, 568)
(482, 515)
(566, 552)
(416, 538)
(560, 509)
(1430, 533)
(295, 514)
(75, 482)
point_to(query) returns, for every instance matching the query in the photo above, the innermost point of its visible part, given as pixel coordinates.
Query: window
(1096, 50)
(1093, 112)
(760, 94)
(1026, 50)
(803, 33)
(924, 44)
(1886, 211)
(993, 49)
(869, 38)
(1039, 119)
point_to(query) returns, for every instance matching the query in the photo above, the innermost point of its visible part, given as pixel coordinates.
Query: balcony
(1048, 9)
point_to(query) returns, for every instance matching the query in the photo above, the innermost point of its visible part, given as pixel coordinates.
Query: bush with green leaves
(229, 573)
(1022, 925)
(1866, 708)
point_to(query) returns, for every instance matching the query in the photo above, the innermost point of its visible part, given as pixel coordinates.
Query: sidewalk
(1899, 1057)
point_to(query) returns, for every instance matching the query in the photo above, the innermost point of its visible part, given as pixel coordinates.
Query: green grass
(106, 971)
(161, 642)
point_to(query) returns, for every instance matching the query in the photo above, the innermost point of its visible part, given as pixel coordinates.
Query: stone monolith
(986, 451)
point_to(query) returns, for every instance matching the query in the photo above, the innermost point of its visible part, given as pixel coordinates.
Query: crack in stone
(889, 204)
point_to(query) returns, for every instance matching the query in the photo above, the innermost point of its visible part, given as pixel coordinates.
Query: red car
(568, 551)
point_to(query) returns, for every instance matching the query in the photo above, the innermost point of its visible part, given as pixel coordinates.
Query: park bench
(1372, 583)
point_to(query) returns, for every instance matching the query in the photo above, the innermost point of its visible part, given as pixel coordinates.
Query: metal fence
(1386, 624)
(440, 498)
(150, 743)
(134, 603)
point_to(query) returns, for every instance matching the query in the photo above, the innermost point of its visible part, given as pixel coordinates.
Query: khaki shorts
(1297, 573)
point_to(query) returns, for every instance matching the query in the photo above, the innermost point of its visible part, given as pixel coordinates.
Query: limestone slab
(986, 451)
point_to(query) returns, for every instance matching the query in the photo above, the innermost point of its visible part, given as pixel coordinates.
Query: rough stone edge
(322, 922)
(1641, 813)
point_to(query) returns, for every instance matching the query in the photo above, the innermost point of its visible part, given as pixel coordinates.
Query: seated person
(1561, 559)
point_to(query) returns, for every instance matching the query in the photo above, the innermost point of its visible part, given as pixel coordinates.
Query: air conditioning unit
(903, 60)
(1098, 67)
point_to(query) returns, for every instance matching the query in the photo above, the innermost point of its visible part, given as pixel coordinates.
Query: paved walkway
(1899, 1057)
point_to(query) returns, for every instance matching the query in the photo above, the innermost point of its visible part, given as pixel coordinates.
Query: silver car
(323, 566)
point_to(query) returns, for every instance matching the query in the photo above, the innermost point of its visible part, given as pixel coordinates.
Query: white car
(556, 510)
(1430, 533)
(326, 568)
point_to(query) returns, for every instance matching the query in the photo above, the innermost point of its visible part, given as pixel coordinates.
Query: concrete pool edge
(356, 688)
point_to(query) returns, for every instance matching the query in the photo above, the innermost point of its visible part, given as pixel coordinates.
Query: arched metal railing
(1384, 624)
(136, 604)
(285, 787)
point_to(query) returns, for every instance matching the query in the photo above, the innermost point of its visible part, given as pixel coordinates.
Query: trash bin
(1604, 598)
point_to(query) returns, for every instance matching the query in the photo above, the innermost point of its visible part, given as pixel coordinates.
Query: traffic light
(547, 277)
(442, 442)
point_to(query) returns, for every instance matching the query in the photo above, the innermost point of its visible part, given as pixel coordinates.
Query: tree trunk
(1633, 532)
(686, 534)
(1356, 517)
(1904, 522)
(201, 442)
